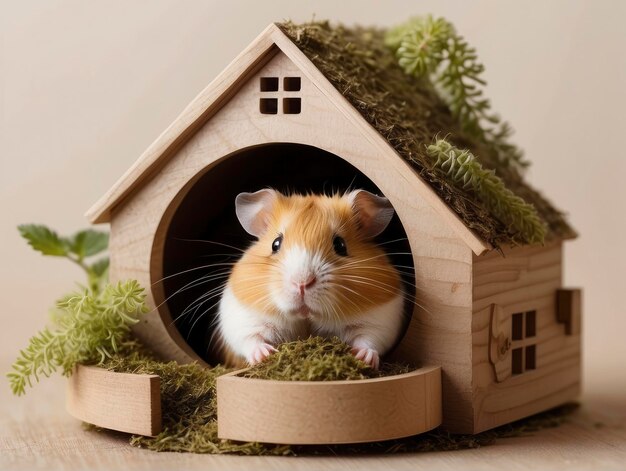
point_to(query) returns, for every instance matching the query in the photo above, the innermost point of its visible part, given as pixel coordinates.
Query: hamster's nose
(303, 286)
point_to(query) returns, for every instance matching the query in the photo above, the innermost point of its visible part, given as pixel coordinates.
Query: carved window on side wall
(523, 342)
(272, 98)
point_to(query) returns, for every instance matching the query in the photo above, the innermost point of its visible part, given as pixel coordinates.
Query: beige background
(87, 86)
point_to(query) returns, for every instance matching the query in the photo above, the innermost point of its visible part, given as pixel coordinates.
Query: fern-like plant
(87, 326)
(430, 47)
(462, 168)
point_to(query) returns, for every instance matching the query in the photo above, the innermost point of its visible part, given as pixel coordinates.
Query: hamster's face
(314, 258)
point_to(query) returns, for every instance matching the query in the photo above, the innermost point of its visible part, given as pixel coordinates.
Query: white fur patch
(298, 266)
(243, 328)
(377, 328)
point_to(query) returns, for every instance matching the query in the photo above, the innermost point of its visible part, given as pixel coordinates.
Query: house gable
(224, 88)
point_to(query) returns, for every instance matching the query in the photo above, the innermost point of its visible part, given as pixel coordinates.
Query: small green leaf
(44, 240)
(89, 242)
(100, 267)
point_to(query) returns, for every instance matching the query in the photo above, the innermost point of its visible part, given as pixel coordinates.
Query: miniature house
(495, 317)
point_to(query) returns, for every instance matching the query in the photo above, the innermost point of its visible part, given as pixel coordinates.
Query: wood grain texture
(525, 279)
(568, 307)
(118, 401)
(442, 259)
(328, 412)
(223, 88)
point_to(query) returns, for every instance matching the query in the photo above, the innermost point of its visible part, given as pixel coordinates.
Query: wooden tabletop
(37, 433)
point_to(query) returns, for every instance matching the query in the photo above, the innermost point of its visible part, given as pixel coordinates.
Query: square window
(531, 357)
(269, 84)
(517, 366)
(291, 84)
(518, 326)
(291, 105)
(531, 323)
(268, 105)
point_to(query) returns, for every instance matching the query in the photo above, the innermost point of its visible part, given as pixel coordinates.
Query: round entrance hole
(204, 237)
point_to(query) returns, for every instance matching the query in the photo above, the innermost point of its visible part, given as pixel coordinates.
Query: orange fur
(366, 276)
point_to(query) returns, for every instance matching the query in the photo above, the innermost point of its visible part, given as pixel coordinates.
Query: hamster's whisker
(210, 242)
(391, 241)
(347, 298)
(185, 271)
(385, 270)
(356, 262)
(230, 255)
(374, 283)
(408, 297)
(394, 269)
(200, 317)
(197, 308)
(204, 296)
(188, 309)
(193, 284)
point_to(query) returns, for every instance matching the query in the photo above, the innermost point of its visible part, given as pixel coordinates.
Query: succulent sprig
(88, 326)
(464, 170)
(430, 47)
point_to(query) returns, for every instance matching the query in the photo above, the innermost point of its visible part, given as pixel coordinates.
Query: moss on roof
(409, 114)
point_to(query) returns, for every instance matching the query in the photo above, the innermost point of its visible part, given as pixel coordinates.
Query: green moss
(190, 410)
(466, 171)
(409, 114)
(318, 359)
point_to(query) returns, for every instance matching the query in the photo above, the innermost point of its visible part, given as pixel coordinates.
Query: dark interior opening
(204, 236)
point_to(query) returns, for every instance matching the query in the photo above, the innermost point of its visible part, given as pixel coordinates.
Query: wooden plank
(569, 306)
(525, 279)
(327, 412)
(117, 401)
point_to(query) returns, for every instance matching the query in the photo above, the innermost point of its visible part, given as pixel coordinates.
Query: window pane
(531, 356)
(269, 84)
(531, 323)
(268, 105)
(291, 105)
(518, 326)
(516, 361)
(291, 84)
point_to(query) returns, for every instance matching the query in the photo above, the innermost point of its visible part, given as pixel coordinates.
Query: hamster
(314, 270)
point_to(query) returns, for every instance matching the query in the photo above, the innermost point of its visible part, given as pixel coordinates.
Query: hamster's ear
(253, 210)
(373, 212)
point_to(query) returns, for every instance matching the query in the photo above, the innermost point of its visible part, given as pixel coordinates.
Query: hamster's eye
(276, 244)
(340, 246)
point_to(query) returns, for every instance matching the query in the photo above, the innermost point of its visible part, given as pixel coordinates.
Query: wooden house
(491, 312)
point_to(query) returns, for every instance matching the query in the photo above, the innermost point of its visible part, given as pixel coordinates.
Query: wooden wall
(524, 279)
(439, 333)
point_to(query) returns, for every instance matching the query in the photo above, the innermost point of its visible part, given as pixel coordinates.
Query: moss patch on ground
(190, 409)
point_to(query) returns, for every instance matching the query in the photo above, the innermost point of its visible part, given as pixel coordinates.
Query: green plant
(87, 326)
(77, 248)
(462, 168)
(430, 47)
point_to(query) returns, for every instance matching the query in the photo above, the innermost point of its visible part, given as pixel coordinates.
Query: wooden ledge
(125, 402)
(286, 412)
(327, 412)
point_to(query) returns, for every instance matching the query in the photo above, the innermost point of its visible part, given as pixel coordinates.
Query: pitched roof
(405, 112)
(409, 115)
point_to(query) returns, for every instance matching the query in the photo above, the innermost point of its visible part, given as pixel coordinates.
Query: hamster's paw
(367, 355)
(260, 352)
